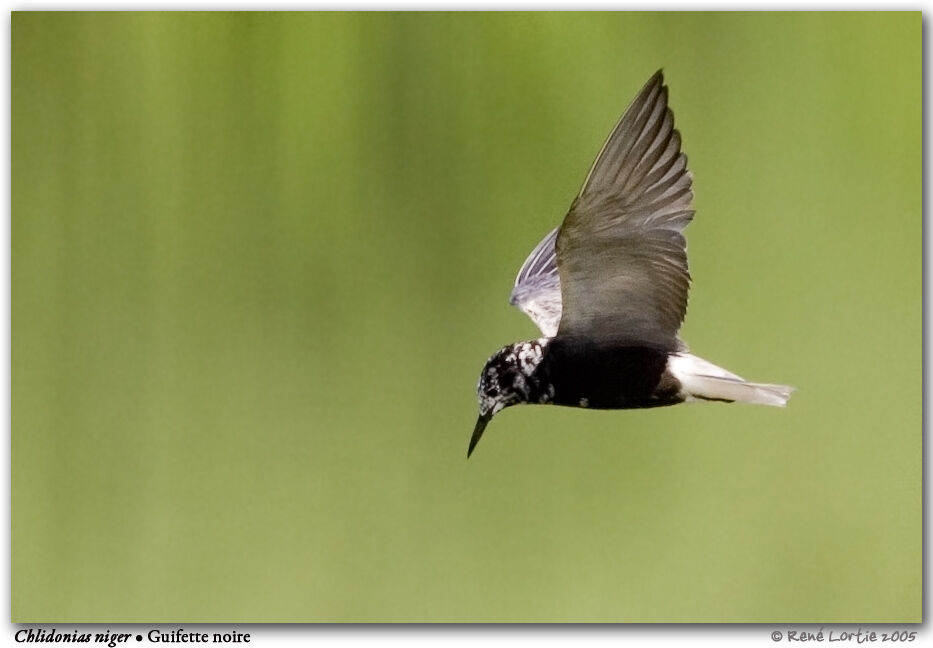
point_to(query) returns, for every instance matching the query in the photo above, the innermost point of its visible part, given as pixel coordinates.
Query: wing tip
(657, 78)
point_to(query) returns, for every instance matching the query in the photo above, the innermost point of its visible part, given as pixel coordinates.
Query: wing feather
(537, 286)
(620, 251)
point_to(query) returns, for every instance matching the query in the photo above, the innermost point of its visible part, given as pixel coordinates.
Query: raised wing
(537, 286)
(621, 252)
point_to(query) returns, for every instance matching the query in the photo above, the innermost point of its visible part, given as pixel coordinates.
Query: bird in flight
(608, 288)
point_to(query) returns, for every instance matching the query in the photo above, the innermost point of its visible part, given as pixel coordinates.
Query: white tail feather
(704, 380)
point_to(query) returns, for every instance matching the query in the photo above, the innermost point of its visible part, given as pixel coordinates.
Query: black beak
(481, 423)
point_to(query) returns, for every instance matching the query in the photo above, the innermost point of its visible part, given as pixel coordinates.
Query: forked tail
(705, 381)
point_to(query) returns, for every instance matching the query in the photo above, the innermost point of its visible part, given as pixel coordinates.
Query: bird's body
(610, 378)
(608, 288)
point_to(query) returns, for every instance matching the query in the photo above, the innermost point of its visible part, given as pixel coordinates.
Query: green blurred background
(260, 259)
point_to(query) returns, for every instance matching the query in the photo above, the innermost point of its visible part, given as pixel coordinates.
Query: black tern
(608, 288)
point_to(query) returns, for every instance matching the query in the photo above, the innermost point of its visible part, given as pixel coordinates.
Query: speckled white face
(529, 356)
(504, 380)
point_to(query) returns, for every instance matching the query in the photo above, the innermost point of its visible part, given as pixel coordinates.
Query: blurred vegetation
(260, 259)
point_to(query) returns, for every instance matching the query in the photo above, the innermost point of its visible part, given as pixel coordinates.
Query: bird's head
(505, 381)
